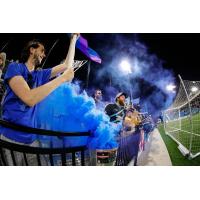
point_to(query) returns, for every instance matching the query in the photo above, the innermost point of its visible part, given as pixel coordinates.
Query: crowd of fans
(26, 87)
(132, 119)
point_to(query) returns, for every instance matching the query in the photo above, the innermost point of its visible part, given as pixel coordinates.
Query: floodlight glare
(125, 67)
(194, 89)
(170, 87)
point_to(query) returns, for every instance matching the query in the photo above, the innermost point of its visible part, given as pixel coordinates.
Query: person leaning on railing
(26, 87)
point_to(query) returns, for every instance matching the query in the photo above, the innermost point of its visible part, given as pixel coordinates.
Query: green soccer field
(181, 130)
(176, 157)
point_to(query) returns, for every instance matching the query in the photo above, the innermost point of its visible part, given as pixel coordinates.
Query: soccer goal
(182, 118)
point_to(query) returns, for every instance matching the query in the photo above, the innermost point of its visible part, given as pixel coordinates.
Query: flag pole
(88, 74)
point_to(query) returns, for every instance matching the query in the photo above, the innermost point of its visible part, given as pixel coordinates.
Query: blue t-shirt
(14, 109)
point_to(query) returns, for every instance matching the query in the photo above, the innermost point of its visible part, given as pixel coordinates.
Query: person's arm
(33, 96)
(69, 59)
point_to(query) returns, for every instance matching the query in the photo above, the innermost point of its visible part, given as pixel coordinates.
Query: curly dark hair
(26, 51)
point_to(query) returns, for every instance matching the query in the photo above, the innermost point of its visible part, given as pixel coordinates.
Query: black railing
(42, 156)
(79, 155)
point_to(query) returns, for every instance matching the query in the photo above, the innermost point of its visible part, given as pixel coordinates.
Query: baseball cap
(120, 94)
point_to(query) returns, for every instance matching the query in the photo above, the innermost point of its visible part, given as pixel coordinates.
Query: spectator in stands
(26, 87)
(98, 99)
(132, 120)
(117, 110)
(132, 124)
(2, 63)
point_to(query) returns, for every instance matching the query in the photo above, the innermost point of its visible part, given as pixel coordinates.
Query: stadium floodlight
(170, 87)
(194, 89)
(125, 67)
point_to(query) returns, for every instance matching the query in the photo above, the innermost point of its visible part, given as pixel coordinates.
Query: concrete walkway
(155, 153)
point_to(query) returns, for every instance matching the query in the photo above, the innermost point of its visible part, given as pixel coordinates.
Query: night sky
(179, 52)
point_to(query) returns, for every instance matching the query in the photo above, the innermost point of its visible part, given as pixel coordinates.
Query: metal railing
(42, 156)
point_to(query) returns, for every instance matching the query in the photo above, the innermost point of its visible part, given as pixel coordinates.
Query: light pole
(125, 67)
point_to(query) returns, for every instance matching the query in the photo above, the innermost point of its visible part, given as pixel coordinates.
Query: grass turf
(183, 135)
(176, 157)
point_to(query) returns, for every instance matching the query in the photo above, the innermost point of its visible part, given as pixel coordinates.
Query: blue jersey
(14, 109)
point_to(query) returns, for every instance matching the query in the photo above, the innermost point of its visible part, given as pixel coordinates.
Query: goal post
(182, 118)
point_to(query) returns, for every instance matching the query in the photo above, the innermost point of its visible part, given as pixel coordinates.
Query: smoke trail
(148, 71)
(67, 109)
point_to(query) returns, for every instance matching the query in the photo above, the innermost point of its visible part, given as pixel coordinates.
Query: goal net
(182, 118)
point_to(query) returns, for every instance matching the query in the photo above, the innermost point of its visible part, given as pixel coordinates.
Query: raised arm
(33, 96)
(69, 59)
